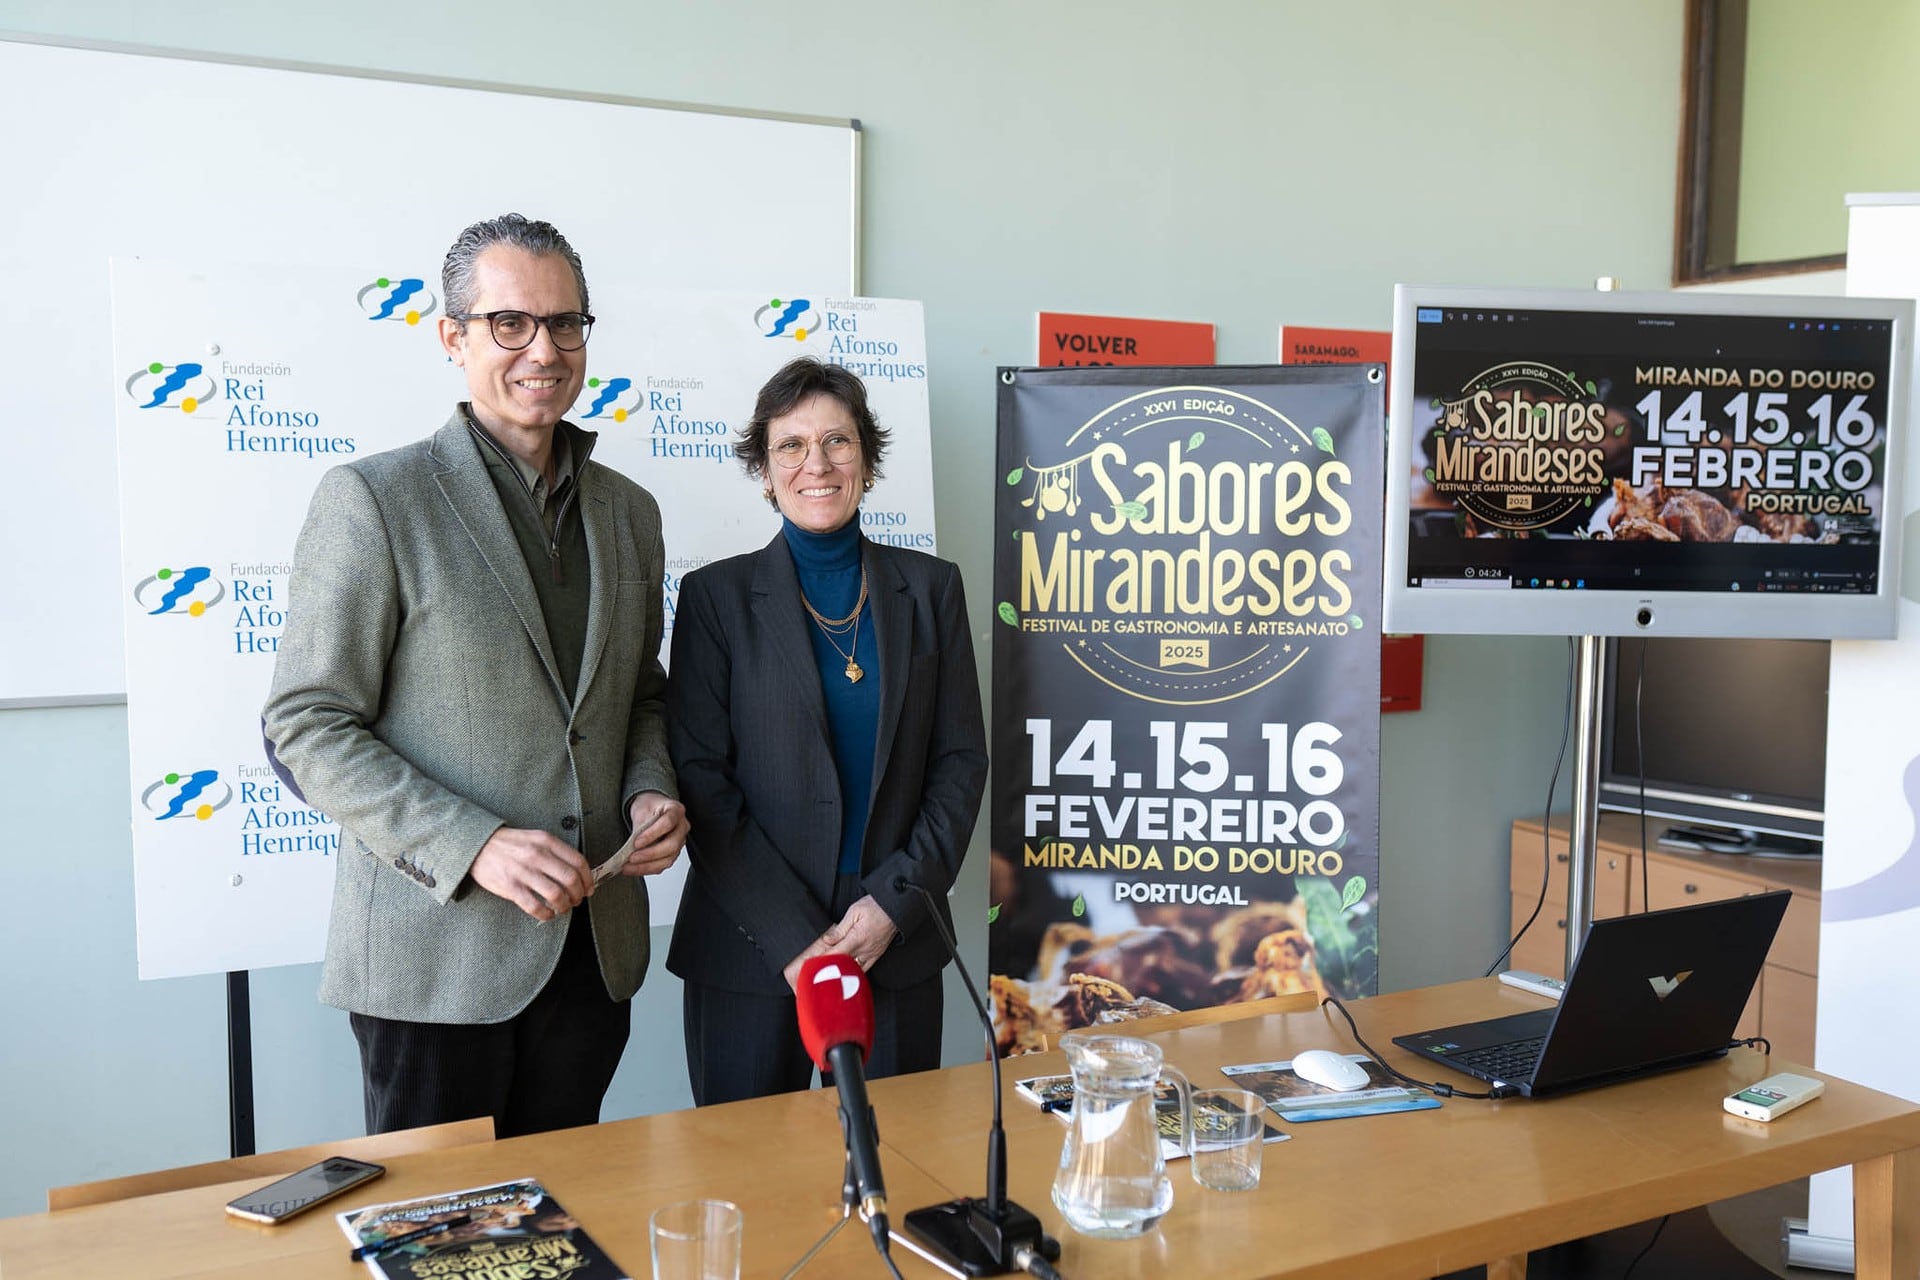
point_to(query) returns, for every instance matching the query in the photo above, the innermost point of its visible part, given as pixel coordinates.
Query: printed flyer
(1186, 697)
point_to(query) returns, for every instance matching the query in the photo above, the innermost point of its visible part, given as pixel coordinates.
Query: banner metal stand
(239, 1065)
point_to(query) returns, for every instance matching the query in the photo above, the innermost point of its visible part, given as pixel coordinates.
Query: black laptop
(1649, 992)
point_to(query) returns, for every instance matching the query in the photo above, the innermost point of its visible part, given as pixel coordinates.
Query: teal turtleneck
(828, 566)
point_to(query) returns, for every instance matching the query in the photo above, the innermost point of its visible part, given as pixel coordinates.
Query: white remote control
(1538, 983)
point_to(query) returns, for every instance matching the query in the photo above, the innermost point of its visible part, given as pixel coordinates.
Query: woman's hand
(864, 933)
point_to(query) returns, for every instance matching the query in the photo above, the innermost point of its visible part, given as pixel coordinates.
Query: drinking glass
(696, 1240)
(1229, 1127)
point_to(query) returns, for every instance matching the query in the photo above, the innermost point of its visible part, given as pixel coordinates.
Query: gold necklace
(839, 624)
(833, 628)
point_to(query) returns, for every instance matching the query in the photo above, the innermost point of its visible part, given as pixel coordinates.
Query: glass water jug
(1113, 1179)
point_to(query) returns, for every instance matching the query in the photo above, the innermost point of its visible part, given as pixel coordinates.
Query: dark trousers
(742, 1045)
(547, 1067)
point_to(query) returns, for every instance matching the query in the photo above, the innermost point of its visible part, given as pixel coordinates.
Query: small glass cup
(1229, 1127)
(696, 1240)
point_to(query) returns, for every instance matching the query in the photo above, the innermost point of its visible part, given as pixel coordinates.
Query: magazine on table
(1291, 1098)
(1055, 1094)
(508, 1228)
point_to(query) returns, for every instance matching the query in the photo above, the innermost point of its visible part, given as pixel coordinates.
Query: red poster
(1087, 340)
(1401, 662)
(1300, 344)
(1401, 657)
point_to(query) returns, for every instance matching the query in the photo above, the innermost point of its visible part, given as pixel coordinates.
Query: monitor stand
(1584, 818)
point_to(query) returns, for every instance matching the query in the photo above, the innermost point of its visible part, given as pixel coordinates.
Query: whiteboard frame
(10, 697)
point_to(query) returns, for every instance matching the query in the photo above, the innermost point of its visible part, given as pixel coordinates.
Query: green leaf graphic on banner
(1354, 890)
(1620, 430)
(1079, 906)
(1355, 621)
(1540, 412)
(1195, 440)
(1434, 403)
(1591, 389)
(1346, 944)
(993, 913)
(1429, 475)
(1008, 614)
(1013, 476)
(1322, 440)
(1131, 510)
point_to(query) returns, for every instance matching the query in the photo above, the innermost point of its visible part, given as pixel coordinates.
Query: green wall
(1245, 162)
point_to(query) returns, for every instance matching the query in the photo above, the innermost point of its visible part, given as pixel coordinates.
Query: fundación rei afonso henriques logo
(174, 795)
(616, 398)
(406, 300)
(158, 385)
(787, 318)
(179, 593)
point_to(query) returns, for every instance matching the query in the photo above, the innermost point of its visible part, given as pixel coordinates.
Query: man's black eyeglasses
(514, 330)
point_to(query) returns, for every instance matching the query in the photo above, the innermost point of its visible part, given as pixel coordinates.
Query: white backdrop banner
(1870, 874)
(240, 385)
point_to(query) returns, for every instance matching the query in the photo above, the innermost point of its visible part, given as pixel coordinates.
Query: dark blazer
(417, 701)
(747, 728)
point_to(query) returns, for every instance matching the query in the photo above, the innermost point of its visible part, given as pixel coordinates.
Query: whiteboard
(127, 153)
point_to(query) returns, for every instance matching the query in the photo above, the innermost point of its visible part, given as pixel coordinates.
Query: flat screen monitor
(1678, 464)
(1733, 735)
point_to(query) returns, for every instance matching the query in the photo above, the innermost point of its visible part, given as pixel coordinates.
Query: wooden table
(1422, 1193)
(1413, 1194)
(779, 1158)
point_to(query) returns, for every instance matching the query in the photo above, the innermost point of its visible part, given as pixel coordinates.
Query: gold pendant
(854, 672)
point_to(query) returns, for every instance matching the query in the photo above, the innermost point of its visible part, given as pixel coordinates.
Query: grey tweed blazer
(415, 699)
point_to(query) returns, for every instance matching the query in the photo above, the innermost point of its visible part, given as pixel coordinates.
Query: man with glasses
(470, 684)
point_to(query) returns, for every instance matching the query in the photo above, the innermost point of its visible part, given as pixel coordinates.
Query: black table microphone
(989, 1236)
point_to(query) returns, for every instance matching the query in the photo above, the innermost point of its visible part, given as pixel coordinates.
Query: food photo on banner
(1185, 806)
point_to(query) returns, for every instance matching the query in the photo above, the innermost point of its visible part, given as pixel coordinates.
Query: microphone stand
(849, 1198)
(990, 1236)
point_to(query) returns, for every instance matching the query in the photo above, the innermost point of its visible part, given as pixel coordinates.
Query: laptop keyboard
(1504, 1062)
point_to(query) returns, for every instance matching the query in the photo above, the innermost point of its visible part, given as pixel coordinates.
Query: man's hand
(864, 933)
(661, 827)
(542, 875)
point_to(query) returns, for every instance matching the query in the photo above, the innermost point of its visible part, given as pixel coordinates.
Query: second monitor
(1566, 463)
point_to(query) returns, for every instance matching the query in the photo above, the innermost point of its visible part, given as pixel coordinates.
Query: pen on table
(379, 1247)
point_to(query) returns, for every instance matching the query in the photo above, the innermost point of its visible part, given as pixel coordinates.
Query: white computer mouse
(1330, 1070)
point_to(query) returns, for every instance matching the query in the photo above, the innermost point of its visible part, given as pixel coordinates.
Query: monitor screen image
(1733, 732)
(1571, 463)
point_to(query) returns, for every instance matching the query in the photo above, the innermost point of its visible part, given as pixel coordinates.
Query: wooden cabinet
(1783, 1002)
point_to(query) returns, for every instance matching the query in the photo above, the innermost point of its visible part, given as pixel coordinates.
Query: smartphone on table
(297, 1192)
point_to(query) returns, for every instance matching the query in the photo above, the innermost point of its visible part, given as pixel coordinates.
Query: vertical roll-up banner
(1186, 785)
(1870, 873)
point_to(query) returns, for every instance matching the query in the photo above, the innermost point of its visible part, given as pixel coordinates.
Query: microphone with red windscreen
(836, 1025)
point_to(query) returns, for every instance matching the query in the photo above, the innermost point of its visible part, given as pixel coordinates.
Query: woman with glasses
(824, 720)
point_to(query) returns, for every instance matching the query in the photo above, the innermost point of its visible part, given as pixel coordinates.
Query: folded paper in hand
(619, 859)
